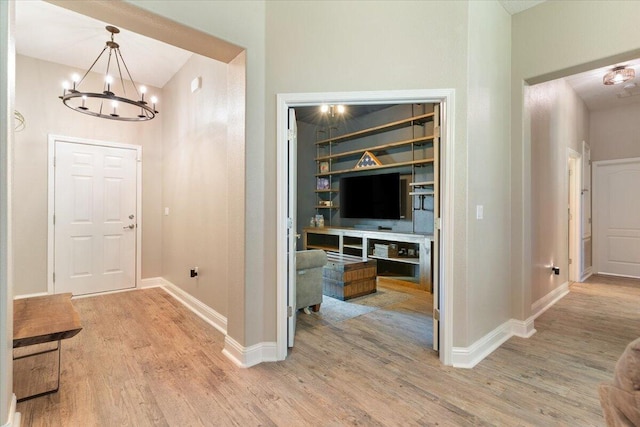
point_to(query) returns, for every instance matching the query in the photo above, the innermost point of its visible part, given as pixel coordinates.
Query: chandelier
(107, 104)
(618, 75)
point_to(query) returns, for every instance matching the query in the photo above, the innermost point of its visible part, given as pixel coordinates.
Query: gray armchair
(309, 278)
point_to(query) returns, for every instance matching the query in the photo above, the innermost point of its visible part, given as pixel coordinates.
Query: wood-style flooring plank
(143, 359)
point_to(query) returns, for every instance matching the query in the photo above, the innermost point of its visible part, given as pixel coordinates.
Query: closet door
(616, 219)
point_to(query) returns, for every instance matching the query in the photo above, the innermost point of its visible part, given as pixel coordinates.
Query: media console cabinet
(409, 253)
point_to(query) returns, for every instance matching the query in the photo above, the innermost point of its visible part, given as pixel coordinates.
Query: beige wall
(559, 120)
(252, 319)
(194, 177)
(335, 46)
(362, 46)
(488, 287)
(38, 85)
(615, 133)
(554, 39)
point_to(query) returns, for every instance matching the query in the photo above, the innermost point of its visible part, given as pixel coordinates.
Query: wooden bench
(38, 322)
(345, 276)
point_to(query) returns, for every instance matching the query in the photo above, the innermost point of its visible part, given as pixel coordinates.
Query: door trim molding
(52, 139)
(446, 97)
(575, 248)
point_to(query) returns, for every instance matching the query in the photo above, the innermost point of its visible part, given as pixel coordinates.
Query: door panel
(95, 206)
(617, 203)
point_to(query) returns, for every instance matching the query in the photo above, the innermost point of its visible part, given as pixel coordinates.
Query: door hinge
(54, 219)
(570, 261)
(291, 134)
(289, 223)
(289, 311)
(436, 314)
(437, 223)
(54, 276)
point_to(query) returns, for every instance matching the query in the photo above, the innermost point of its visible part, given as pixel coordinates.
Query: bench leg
(315, 308)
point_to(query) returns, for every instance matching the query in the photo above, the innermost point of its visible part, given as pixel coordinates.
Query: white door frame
(574, 187)
(446, 97)
(51, 199)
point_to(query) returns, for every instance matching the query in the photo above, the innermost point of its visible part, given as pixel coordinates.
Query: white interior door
(616, 218)
(95, 219)
(291, 226)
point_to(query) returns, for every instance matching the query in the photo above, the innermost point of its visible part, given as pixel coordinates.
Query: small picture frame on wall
(324, 167)
(322, 183)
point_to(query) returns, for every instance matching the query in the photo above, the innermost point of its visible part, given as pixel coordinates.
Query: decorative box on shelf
(386, 251)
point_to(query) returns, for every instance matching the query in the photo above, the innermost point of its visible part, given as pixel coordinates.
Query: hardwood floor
(142, 359)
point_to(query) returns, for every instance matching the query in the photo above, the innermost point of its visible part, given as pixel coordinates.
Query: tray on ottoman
(345, 276)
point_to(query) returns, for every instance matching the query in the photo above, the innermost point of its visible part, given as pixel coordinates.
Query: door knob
(130, 227)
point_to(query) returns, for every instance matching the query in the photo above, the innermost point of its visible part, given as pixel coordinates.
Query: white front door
(95, 218)
(616, 207)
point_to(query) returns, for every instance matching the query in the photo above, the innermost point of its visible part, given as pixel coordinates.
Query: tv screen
(370, 196)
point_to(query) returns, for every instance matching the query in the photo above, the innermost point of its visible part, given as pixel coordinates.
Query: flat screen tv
(370, 196)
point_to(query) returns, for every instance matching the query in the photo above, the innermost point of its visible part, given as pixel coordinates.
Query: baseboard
(152, 282)
(245, 357)
(14, 419)
(523, 328)
(544, 303)
(586, 274)
(37, 294)
(468, 357)
(202, 310)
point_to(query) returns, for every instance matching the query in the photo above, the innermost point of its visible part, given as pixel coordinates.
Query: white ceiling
(597, 96)
(55, 34)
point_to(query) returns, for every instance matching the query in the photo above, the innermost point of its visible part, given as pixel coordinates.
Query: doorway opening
(286, 239)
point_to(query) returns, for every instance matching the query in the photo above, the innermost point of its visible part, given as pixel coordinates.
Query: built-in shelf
(421, 193)
(420, 119)
(360, 243)
(324, 248)
(352, 246)
(327, 207)
(327, 191)
(391, 165)
(414, 261)
(421, 184)
(415, 141)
